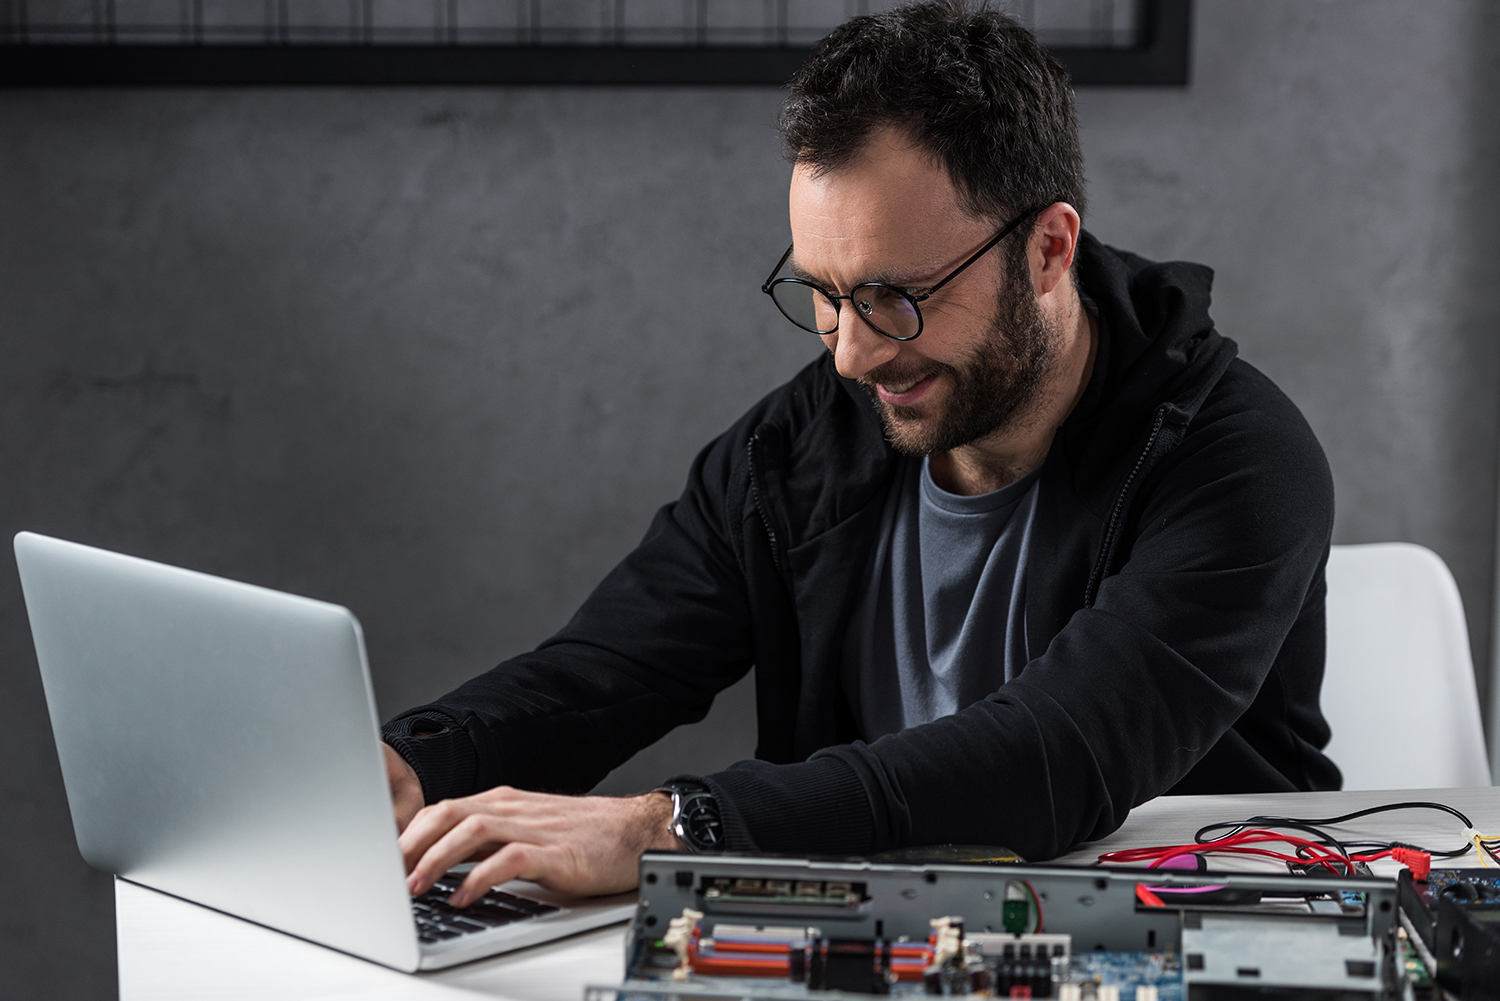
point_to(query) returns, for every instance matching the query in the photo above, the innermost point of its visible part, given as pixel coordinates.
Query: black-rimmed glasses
(887, 309)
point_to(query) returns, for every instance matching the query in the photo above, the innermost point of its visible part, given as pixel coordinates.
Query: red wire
(1242, 843)
(1041, 919)
(1147, 897)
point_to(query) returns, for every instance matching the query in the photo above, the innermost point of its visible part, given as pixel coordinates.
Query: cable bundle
(1317, 850)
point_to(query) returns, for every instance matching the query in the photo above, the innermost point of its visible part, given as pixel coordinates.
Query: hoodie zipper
(1117, 515)
(759, 499)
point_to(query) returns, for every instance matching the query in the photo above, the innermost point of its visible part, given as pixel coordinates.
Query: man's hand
(406, 790)
(573, 844)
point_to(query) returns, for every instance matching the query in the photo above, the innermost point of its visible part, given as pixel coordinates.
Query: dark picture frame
(1161, 59)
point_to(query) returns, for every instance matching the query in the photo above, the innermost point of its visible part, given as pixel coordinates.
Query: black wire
(1321, 836)
(1386, 808)
(1231, 828)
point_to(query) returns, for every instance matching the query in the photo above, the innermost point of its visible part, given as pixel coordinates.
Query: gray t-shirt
(942, 622)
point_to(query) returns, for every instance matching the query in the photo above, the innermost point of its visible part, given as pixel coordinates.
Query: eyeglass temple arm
(766, 285)
(1029, 213)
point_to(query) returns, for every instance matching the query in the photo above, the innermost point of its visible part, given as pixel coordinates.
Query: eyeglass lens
(885, 309)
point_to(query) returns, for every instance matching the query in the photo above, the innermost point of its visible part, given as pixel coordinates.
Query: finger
(516, 860)
(474, 834)
(430, 825)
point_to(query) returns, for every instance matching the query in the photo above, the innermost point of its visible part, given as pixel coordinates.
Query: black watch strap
(696, 819)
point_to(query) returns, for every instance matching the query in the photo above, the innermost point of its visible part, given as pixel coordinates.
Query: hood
(1157, 345)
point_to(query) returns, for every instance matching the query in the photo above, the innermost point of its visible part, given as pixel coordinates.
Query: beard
(993, 388)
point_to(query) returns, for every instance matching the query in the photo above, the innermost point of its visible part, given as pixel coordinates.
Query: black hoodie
(1174, 611)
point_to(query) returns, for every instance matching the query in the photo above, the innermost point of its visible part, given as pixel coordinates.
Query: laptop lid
(219, 741)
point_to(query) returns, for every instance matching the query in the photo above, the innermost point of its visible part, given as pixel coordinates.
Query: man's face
(894, 217)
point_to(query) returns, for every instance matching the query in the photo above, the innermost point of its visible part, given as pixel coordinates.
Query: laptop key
(520, 903)
(493, 916)
(529, 907)
(538, 909)
(464, 925)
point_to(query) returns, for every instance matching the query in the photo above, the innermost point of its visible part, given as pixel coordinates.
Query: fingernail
(458, 899)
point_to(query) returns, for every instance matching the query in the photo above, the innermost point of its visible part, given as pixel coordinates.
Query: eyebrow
(803, 273)
(893, 278)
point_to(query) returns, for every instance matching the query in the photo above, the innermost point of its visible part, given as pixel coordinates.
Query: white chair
(1399, 688)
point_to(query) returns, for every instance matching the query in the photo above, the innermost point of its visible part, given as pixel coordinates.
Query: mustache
(893, 373)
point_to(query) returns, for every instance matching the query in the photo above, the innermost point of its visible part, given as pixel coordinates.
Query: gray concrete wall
(437, 355)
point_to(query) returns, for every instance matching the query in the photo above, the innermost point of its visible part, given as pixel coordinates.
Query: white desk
(172, 949)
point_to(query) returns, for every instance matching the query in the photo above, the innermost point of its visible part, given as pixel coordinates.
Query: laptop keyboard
(437, 920)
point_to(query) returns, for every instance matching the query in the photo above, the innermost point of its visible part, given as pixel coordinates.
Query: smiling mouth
(897, 382)
(908, 391)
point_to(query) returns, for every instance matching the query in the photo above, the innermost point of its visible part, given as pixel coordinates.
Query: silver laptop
(219, 742)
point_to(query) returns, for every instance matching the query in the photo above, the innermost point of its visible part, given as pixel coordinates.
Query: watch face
(700, 822)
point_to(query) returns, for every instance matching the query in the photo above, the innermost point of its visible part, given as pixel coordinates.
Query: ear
(1054, 240)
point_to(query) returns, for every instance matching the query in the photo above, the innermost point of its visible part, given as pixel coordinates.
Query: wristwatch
(695, 817)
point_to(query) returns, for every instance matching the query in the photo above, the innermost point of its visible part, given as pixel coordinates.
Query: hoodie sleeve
(662, 634)
(667, 629)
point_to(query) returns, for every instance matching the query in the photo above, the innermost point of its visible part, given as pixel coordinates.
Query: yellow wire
(1480, 850)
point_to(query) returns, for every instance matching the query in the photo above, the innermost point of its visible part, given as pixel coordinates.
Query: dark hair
(968, 83)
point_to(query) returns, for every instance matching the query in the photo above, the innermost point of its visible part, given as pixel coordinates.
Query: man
(1028, 547)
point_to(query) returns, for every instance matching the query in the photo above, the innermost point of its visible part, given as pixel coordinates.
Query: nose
(857, 347)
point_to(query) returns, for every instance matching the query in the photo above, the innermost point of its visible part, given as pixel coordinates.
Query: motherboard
(759, 927)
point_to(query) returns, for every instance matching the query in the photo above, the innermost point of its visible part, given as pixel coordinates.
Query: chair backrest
(1399, 690)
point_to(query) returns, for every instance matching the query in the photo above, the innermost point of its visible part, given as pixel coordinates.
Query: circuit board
(1477, 877)
(1129, 970)
(1125, 971)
